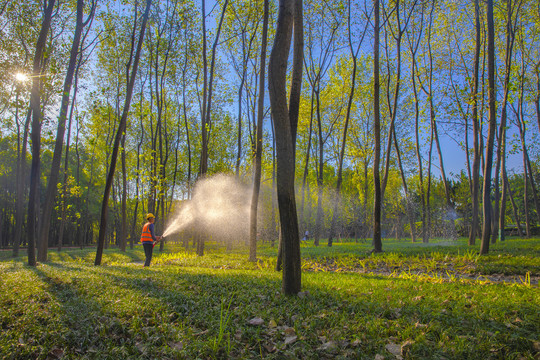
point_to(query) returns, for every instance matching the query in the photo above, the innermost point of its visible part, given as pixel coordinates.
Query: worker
(148, 238)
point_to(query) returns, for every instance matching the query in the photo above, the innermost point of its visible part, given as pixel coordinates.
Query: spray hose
(155, 242)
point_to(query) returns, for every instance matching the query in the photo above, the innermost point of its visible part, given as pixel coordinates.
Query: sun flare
(21, 77)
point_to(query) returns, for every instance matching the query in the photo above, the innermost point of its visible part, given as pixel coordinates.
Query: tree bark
(476, 130)
(52, 186)
(33, 200)
(499, 209)
(354, 56)
(21, 175)
(377, 242)
(486, 228)
(259, 137)
(119, 133)
(285, 148)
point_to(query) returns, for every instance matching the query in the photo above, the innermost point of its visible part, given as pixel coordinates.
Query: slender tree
(259, 137)
(119, 134)
(354, 56)
(486, 197)
(285, 130)
(476, 128)
(377, 241)
(52, 185)
(35, 105)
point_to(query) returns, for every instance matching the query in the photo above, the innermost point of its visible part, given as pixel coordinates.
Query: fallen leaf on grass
(270, 348)
(176, 345)
(257, 321)
(200, 333)
(379, 357)
(329, 346)
(55, 354)
(356, 343)
(290, 339)
(394, 349)
(290, 331)
(406, 346)
(272, 324)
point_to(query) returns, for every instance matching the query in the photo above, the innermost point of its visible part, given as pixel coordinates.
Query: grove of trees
(349, 119)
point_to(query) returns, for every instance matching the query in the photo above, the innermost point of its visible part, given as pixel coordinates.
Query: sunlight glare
(21, 77)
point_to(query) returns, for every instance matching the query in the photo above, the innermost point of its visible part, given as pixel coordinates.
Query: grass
(417, 301)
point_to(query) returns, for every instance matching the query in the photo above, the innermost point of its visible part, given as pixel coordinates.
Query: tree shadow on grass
(185, 306)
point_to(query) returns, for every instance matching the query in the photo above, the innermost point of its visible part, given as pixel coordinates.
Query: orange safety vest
(146, 234)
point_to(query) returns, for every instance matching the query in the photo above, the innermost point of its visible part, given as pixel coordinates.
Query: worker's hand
(159, 238)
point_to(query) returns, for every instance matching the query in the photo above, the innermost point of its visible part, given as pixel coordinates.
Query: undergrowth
(357, 305)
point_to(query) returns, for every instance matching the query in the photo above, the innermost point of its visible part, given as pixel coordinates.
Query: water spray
(219, 207)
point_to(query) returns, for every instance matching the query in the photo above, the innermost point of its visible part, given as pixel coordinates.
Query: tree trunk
(52, 185)
(413, 45)
(121, 129)
(285, 146)
(259, 137)
(306, 167)
(476, 131)
(320, 167)
(21, 184)
(207, 103)
(33, 200)
(377, 242)
(498, 221)
(486, 229)
(514, 207)
(354, 55)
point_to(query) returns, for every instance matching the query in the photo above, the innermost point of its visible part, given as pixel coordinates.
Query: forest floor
(414, 301)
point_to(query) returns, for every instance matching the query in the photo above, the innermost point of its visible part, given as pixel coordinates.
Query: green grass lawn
(415, 301)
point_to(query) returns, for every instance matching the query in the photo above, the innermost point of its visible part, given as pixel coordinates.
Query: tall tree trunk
(414, 43)
(377, 241)
(320, 168)
(207, 104)
(21, 185)
(186, 122)
(123, 226)
(33, 200)
(259, 137)
(121, 129)
(52, 185)
(306, 167)
(354, 55)
(285, 139)
(476, 130)
(486, 228)
(514, 207)
(498, 221)
(63, 206)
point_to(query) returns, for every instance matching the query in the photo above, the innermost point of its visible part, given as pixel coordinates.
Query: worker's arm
(154, 237)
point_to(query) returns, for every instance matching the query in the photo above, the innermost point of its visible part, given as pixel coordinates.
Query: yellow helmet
(150, 215)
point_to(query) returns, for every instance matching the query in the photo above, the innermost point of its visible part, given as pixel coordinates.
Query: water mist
(219, 208)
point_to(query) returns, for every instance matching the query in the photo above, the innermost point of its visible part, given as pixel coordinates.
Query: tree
(259, 145)
(377, 242)
(33, 200)
(285, 130)
(354, 55)
(52, 185)
(476, 128)
(119, 133)
(207, 102)
(486, 228)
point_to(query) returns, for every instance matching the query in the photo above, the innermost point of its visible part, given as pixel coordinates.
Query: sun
(21, 77)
